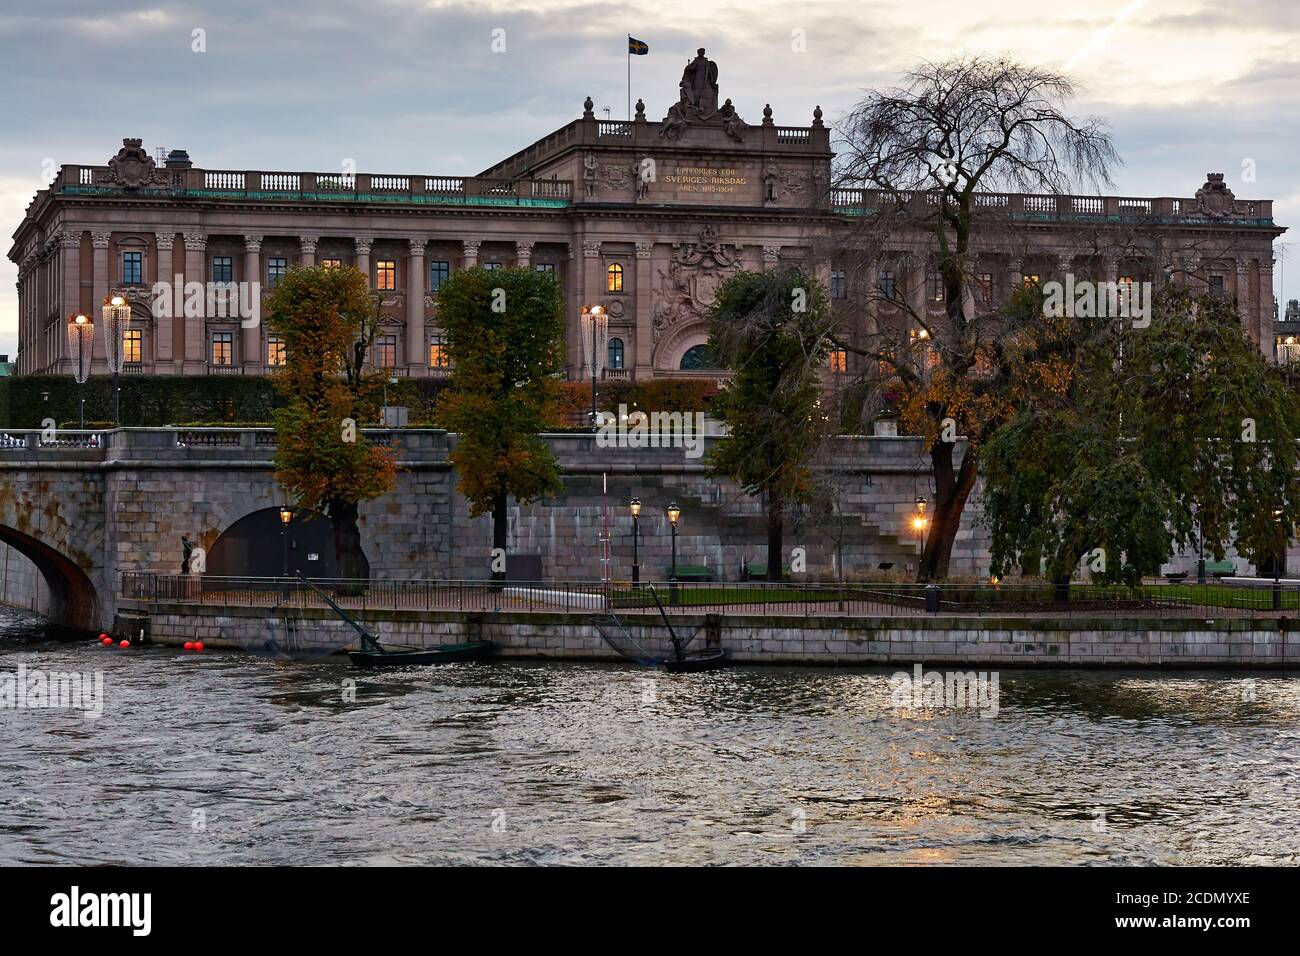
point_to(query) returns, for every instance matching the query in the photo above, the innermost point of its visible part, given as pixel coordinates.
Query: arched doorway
(73, 600)
(258, 544)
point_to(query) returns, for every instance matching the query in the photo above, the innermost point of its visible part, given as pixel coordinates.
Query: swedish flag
(637, 47)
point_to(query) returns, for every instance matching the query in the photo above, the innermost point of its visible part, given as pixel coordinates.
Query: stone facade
(644, 218)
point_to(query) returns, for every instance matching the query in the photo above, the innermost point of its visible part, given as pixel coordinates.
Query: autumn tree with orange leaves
(327, 317)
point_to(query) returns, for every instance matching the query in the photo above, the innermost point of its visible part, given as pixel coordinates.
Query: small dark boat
(441, 654)
(708, 659)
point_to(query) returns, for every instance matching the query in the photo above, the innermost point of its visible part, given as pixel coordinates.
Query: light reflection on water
(583, 763)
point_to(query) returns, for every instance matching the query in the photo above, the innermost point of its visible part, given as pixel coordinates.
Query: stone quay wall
(814, 640)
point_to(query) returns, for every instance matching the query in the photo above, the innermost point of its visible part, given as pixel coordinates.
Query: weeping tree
(774, 331)
(505, 340)
(1161, 438)
(327, 319)
(925, 156)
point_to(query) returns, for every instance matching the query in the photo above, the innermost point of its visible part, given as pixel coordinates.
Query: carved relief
(688, 287)
(134, 168)
(1214, 199)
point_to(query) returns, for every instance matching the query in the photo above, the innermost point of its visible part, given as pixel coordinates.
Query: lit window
(1288, 349)
(984, 283)
(615, 354)
(223, 269)
(439, 272)
(132, 345)
(386, 351)
(275, 354)
(332, 263)
(1032, 279)
(223, 348)
(132, 268)
(491, 266)
(839, 285)
(839, 361)
(935, 283)
(386, 274)
(276, 267)
(547, 267)
(438, 357)
(614, 278)
(887, 284)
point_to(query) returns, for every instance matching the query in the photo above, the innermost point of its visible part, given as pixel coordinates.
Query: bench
(690, 572)
(1220, 569)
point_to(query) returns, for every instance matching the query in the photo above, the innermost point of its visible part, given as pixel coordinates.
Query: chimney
(179, 159)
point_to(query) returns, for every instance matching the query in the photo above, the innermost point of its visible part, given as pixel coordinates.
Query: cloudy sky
(416, 86)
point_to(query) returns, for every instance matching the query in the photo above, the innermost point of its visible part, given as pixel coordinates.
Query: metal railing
(1157, 600)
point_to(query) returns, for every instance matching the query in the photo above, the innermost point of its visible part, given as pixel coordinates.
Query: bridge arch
(256, 545)
(73, 599)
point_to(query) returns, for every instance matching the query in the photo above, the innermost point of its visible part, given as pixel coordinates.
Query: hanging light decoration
(117, 319)
(81, 337)
(595, 339)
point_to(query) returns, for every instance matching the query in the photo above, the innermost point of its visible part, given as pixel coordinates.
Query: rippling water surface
(223, 758)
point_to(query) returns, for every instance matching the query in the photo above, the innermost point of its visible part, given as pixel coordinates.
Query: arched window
(614, 276)
(697, 358)
(615, 354)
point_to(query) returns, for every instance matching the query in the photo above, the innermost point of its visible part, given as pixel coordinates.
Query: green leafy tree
(774, 330)
(505, 340)
(1162, 437)
(327, 318)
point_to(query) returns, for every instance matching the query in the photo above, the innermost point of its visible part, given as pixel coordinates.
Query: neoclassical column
(250, 336)
(918, 284)
(469, 252)
(417, 343)
(1063, 263)
(1266, 308)
(307, 250)
(643, 364)
(523, 253)
(1250, 318)
(195, 271)
(363, 257)
(162, 332)
(1015, 272)
(99, 269)
(70, 294)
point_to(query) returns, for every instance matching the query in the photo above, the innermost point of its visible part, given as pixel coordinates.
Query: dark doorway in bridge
(73, 601)
(257, 545)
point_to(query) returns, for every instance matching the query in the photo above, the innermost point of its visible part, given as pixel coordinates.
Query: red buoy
(103, 635)
(124, 644)
(106, 640)
(189, 645)
(198, 646)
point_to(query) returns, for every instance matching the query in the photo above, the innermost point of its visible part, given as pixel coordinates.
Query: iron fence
(742, 597)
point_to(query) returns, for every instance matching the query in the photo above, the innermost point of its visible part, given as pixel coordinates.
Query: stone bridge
(79, 510)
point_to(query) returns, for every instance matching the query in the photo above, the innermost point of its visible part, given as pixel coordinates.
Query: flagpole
(629, 77)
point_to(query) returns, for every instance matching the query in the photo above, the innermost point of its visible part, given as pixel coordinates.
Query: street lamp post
(286, 515)
(117, 319)
(1278, 559)
(595, 327)
(635, 507)
(81, 337)
(674, 513)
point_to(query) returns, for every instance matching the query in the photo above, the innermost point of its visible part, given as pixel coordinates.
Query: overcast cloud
(407, 87)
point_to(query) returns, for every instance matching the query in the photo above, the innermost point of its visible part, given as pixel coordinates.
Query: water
(222, 758)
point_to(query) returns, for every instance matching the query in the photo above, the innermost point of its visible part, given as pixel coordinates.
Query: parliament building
(644, 218)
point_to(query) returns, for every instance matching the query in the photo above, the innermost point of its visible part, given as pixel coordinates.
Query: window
(332, 263)
(491, 266)
(276, 267)
(839, 361)
(547, 267)
(439, 272)
(275, 354)
(223, 269)
(614, 278)
(984, 285)
(386, 351)
(1216, 285)
(887, 284)
(133, 345)
(1288, 349)
(386, 274)
(615, 354)
(839, 285)
(438, 357)
(1032, 279)
(223, 348)
(934, 287)
(132, 268)
(698, 357)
